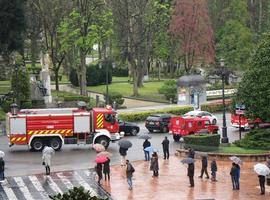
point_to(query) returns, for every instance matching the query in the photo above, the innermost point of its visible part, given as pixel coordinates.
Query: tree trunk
(33, 51)
(82, 73)
(135, 79)
(260, 15)
(56, 76)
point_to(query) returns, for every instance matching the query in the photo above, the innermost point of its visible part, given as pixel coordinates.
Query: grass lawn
(148, 91)
(4, 87)
(2, 115)
(239, 150)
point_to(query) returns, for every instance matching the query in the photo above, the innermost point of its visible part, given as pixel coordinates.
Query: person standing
(99, 172)
(262, 184)
(154, 166)
(237, 177)
(191, 153)
(165, 146)
(106, 170)
(146, 153)
(46, 158)
(233, 174)
(191, 174)
(204, 167)
(213, 170)
(123, 153)
(129, 173)
(2, 169)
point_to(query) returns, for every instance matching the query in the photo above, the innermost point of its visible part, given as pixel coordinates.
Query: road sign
(239, 112)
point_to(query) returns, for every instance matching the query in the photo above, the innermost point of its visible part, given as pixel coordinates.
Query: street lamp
(16, 95)
(222, 73)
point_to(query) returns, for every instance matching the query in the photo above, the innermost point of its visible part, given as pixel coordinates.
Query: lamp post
(16, 68)
(224, 138)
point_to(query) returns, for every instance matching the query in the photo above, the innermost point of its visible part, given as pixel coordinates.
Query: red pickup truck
(181, 126)
(245, 123)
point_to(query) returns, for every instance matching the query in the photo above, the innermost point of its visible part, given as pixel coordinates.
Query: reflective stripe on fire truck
(18, 139)
(40, 132)
(100, 120)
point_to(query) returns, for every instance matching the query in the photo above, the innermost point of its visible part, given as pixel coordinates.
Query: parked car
(159, 122)
(202, 114)
(128, 127)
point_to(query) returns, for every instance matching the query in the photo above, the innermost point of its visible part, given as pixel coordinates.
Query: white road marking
(54, 186)
(23, 188)
(83, 183)
(65, 180)
(9, 192)
(38, 186)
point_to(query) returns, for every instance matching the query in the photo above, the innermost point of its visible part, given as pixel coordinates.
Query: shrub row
(205, 142)
(257, 139)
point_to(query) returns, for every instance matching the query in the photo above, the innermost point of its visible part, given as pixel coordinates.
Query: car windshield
(153, 118)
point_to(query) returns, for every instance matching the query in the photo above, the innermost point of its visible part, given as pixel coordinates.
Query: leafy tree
(169, 89)
(254, 89)
(191, 27)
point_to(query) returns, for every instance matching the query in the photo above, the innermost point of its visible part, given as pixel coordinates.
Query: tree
(253, 90)
(88, 24)
(12, 23)
(191, 27)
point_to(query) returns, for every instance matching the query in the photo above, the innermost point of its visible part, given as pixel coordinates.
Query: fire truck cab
(55, 127)
(182, 126)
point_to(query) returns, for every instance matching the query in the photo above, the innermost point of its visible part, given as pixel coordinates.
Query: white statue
(45, 76)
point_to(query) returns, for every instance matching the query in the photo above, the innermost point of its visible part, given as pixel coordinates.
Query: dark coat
(213, 166)
(191, 153)
(2, 165)
(146, 144)
(129, 170)
(106, 167)
(204, 162)
(234, 171)
(154, 163)
(165, 144)
(191, 169)
(122, 151)
(99, 169)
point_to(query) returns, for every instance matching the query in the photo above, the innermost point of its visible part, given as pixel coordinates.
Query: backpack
(132, 169)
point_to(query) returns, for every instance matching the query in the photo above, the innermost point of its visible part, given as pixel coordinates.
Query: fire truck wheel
(37, 144)
(103, 140)
(165, 129)
(214, 121)
(176, 138)
(56, 143)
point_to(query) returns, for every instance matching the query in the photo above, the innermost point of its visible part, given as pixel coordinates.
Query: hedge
(141, 116)
(203, 142)
(256, 139)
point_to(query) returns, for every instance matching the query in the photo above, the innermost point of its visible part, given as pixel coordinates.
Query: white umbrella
(261, 169)
(48, 150)
(2, 154)
(236, 160)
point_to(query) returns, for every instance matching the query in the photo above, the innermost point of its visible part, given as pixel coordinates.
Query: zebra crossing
(40, 186)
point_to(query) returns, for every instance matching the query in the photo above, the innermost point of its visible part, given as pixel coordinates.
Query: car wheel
(133, 132)
(56, 144)
(150, 130)
(103, 140)
(165, 129)
(214, 121)
(37, 144)
(176, 138)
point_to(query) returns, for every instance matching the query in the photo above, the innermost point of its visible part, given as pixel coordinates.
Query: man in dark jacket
(129, 172)
(2, 169)
(99, 172)
(262, 184)
(204, 167)
(106, 169)
(123, 153)
(146, 153)
(165, 146)
(191, 174)
(191, 153)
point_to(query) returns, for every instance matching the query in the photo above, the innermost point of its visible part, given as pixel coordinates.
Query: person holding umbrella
(106, 170)
(124, 145)
(233, 174)
(46, 158)
(190, 169)
(165, 146)
(146, 153)
(98, 169)
(262, 170)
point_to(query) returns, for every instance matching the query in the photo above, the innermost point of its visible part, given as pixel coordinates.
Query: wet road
(20, 161)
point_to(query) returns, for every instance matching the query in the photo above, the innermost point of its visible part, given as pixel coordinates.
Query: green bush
(96, 75)
(77, 193)
(120, 72)
(215, 107)
(202, 142)
(75, 98)
(169, 89)
(20, 82)
(26, 104)
(117, 97)
(141, 116)
(6, 105)
(73, 77)
(257, 139)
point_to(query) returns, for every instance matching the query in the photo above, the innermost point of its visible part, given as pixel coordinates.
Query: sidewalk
(173, 183)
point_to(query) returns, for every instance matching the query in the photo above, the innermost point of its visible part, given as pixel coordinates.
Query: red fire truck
(239, 120)
(55, 127)
(181, 126)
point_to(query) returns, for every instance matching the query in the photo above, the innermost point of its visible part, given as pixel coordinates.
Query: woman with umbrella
(154, 164)
(235, 172)
(98, 169)
(262, 170)
(106, 169)
(146, 144)
(124, 146)
(190, 169)
(46, 158)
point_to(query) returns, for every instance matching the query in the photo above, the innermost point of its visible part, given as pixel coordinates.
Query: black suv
(158, 122)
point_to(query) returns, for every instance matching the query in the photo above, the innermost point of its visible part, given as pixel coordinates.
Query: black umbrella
(144, 137)
(187, 161)
(125, 144)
